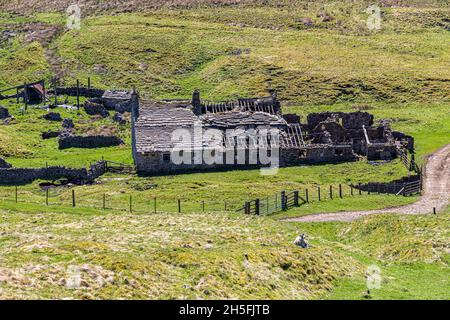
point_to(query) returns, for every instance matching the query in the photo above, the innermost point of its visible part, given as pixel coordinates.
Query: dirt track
(436, 193)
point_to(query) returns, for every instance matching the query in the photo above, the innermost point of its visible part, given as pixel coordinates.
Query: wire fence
(286, 200)
(144, 202)
(126, 202)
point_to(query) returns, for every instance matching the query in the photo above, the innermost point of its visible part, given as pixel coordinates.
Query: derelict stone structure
(328, 137)
(82, 91)
(117, 100)
(93, 108)
(16, 176)
(71, 141)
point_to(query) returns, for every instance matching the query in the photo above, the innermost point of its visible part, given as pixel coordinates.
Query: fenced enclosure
(405, 188)
(145, 202)
(134, 202)
(408, 160)
(284, 200)
(273, 204)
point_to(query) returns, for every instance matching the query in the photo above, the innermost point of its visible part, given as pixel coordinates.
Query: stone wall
(4, 113)
(84, 91)
(392, 187)
(50, 134)
(4, 164)
(352, 120)
(408, 140)
(313, 119)
(93, 108)
(291, 118)
(117, 100)
(317, 153)
(69, 141)
(356, 120)
(160, 162)
(14, 176)
(381, 151)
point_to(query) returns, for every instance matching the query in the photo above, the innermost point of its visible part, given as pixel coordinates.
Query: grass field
(317, 57)
(173, 256)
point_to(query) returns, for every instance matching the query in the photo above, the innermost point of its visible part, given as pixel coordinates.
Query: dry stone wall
(392, 187)
(4, 164)
(4, 113)
(70, 141)
(14, 176)
(93, 108)
(83, 91)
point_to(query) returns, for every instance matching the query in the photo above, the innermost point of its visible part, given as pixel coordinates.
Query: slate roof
(236, 118)
(158, 120)
(117, 95)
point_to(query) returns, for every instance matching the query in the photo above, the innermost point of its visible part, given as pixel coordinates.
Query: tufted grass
(173, 256)
(401, 72)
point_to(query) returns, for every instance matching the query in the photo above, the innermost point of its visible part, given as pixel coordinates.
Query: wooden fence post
(283, 201)
(44, 96)
(307, 195)
(16, 195)
(104, 201)
(179, 206)
(131, 203)
(203, 205)
(257, 207)
(46, 197)
(331, 192)
(78, 94)
(318, 192)
(434, 210)
(247, 207)
(296, 202)
(89, 86)
(25, 95)
(73, 198)
(276, 200)
(340, 190)
(412, 163)
(359, 189)
(54, 91)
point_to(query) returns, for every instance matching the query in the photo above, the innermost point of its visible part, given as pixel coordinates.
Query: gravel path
(436, 193)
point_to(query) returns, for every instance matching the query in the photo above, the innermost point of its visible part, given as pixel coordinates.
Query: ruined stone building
(328, 137)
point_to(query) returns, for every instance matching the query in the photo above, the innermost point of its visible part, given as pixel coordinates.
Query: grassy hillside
(316, 56)
(170, 57)
(335, 63)
(224, 256)
(245, 50)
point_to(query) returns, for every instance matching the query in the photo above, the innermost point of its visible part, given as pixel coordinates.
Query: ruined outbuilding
(328, 137)
(30, 93)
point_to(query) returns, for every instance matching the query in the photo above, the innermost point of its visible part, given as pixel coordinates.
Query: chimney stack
(196, 102)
